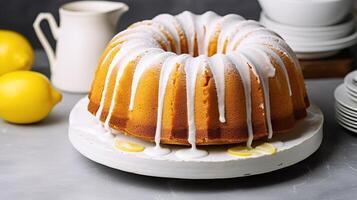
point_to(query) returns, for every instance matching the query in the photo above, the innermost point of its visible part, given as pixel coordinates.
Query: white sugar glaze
(243, 44)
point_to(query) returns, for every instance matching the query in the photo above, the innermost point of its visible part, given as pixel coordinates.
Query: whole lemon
(26, 97)
(16, 52)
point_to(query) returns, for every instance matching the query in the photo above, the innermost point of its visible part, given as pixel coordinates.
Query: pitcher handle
(54, 30)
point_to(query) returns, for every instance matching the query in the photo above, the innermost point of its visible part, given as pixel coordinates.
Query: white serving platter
(292, 147)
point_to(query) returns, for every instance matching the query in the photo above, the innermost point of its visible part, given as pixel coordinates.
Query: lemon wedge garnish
(241, 151)
(244, 151)
(266, 148)
(127, 146)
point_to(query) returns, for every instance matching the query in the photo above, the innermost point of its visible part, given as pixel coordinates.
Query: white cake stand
(292, 147)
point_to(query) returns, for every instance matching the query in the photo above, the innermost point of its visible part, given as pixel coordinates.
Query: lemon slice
(127, 146)
(266, 148)
(242, 151)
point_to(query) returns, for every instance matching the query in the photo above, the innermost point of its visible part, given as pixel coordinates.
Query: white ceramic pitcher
(85, 29)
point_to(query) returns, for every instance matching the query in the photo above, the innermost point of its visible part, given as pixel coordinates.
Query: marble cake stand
(292, 147)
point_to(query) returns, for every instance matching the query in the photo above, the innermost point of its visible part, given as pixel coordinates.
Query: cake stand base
(292, 147)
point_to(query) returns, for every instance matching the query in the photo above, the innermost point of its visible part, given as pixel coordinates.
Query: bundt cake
(198, 79)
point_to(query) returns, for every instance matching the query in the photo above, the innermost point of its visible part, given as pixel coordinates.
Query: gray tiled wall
(19, 14)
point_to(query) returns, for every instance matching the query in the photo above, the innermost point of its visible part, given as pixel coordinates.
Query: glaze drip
(243, 70)
(167, 67)
(191, 76)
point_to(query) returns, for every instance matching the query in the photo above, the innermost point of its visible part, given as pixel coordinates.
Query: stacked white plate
(346, 102)
(315, 42)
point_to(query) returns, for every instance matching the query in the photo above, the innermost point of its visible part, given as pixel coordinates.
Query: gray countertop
(38, 162)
